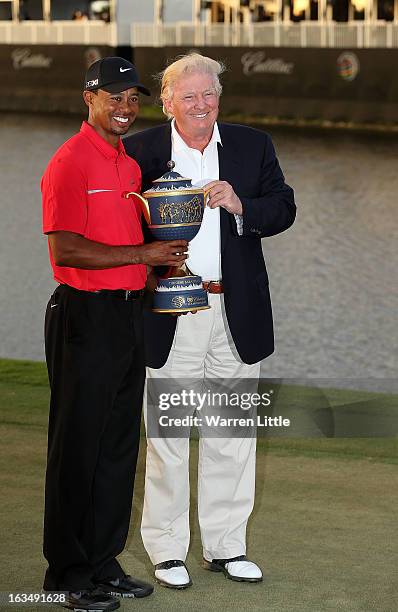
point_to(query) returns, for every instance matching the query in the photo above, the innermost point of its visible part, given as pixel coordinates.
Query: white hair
(188, 64)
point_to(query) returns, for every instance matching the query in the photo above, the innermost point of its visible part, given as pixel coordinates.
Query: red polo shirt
(82, 193)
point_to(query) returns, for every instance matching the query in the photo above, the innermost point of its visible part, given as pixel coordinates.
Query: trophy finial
(171, 164)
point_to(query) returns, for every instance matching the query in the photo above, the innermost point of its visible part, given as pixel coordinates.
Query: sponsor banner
(358, 85)
(46, 77)
(334, 84)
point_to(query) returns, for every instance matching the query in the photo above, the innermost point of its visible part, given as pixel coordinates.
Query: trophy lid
(170, 181)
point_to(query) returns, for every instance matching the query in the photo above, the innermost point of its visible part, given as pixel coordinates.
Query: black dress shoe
(93, 600)
(126, 587)
(239, 569)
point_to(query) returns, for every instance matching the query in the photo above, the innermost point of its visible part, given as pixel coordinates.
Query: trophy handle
(206, 192)
(143, 202)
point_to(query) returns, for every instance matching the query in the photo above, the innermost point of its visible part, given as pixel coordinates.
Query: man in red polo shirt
(94, 344)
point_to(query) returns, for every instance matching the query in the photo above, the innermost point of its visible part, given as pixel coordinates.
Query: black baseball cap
(113, 74)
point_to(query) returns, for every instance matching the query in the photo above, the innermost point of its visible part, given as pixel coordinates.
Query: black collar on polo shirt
(104, 147)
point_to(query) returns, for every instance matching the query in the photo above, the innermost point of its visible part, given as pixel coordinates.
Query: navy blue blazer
(247, 161)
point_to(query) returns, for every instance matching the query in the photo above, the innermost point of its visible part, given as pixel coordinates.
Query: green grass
(32, 373)
(324, 526)
(24, 398)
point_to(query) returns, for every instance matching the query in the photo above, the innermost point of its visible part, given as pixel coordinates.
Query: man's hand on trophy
(162, 253)
(221, 193)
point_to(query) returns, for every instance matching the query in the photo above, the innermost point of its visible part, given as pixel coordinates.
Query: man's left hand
(222, 194)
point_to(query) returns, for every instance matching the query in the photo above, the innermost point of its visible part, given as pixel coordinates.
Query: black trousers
(96, 368)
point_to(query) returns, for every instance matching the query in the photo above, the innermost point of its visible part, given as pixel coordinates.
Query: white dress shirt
(205, 249)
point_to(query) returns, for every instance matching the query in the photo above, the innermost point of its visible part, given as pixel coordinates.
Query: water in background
(333, 275)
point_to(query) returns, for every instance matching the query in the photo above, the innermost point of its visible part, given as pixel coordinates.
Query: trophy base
(177, 310)
(180, 294)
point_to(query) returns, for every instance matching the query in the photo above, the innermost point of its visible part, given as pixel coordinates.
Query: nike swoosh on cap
(124, 69)
(91, 191)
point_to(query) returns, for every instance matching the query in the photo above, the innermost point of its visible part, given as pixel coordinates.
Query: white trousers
(202, 349)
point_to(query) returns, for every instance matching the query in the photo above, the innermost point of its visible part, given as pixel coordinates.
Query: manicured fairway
(324, 527)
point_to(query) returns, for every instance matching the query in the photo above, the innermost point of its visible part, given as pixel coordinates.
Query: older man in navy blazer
(249, 200)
